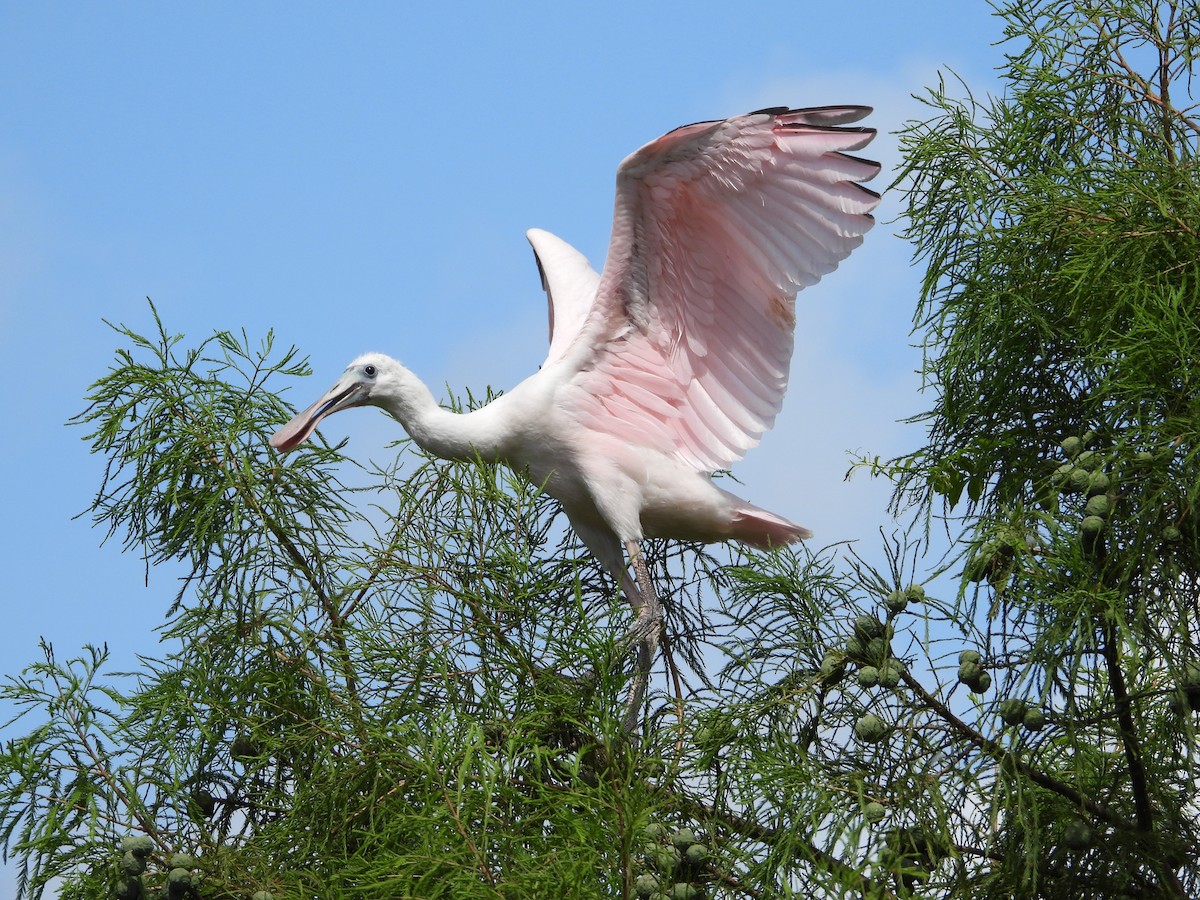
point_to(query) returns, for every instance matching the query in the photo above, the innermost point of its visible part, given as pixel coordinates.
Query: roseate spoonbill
(672, 363)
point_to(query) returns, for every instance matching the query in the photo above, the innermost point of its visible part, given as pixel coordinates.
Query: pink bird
(672, 363)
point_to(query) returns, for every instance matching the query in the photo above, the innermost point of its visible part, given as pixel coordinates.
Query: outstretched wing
(687, 344)
(570, 285)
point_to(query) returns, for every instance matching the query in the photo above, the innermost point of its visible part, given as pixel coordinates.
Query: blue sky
(360, 176)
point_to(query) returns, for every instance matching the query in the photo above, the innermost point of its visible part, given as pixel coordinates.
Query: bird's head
(358, 386)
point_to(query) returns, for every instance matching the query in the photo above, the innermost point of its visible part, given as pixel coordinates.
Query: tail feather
(765, 530)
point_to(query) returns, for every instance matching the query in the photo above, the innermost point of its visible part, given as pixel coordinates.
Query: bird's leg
(644, 633)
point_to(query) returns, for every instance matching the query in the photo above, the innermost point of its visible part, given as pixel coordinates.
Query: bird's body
(600, 479)
(672, 363)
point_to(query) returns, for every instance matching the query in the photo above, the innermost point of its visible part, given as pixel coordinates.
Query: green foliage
(1058, 227)
(1058, 223)
(408, 688)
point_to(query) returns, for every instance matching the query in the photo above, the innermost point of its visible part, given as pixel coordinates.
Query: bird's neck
(439, 431)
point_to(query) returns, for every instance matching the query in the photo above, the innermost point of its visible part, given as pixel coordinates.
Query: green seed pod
(970, 656)
(915, 847)
(890, 674)
(1189, 683)
(1091, 536)
(129, 888)
(1098, 483)
(1077, 835)
(833, 668)
(655, 831)
(683, 838)
(874, 812)
(1172, 535)
(1190, 678)
(179, 883)
(983, 684)
(854, 649)
(262, 895)
(1098, 505)
(646, 885)
(664, 857)
(1072, 446)
(867, 628)
(1088, 459)
(137, 844)
(1060, 476)
(870, 728)
(1012, 711)
(877, 650)
(244, 748)
(183, 861)
(681, 890)
(896, 601)
(1078, 480)
(868, 676)
(969, 672)
(977, 567)
(697, 854)
(915, 593)
(132, 864)
(205, 802)
(1034, 719)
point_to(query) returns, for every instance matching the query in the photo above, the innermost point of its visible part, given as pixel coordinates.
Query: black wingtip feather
(772, 111)
(839, 115)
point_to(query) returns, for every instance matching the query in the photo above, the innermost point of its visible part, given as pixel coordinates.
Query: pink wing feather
(687, 345)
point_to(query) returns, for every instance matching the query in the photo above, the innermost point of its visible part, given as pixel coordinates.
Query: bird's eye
(370, 371)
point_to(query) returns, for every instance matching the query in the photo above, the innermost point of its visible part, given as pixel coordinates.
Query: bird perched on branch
(674, 361)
